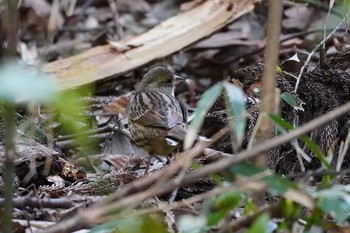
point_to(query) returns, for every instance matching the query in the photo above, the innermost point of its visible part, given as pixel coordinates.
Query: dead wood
(168, 37)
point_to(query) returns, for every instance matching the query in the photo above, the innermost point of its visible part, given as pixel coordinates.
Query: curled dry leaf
(117, 106)
(70, 172)
(56, 180)
(293, 64)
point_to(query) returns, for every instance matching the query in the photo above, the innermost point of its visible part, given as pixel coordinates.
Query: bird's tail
(176, 135)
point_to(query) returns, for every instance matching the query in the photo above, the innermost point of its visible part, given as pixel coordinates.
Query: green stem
(9, 168)
(9, 20)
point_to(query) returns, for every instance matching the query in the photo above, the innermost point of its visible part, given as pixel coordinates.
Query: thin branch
(116, 20)
(343, 151)
(24, 202)
(268, 85)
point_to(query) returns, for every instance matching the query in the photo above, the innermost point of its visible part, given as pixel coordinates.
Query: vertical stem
(269, 78)
(9, 168)
(9, 24)
(116, 19)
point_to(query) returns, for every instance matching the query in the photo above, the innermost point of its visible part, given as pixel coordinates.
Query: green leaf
(346, 7)
(191, 224)
(335, 201)
(250, 207)
(216, 209)
(277, 184)
(236, 110)
(262, 225)
(68, 105)
(245, 169)
(19, 84)
(22, 84)
(204, 104)
(195, 166)
(313, 147)
(293, 101)
(217, 178)
(314, 219)
(133, 224)
(279, 70)
(338, 208)
(290, 209)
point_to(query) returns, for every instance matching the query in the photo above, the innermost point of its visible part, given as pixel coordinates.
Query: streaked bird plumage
(157, 121)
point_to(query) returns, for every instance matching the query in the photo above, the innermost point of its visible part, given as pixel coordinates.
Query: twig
(24, 202)
(118, 28)
(75, 142)
(319, 172)
(105, 129)
(343, 151)
(245, 184)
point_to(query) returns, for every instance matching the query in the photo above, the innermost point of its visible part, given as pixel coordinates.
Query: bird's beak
(178, 79)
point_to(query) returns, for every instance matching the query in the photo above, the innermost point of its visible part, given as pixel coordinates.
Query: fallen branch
(168, 37)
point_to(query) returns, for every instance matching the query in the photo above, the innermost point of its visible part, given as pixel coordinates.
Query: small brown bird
(157, 121)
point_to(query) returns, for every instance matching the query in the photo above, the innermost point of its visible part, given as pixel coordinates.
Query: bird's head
(159, 78)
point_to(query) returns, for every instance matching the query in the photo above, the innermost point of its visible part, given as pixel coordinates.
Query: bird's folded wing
(178, 132)
(166, 118)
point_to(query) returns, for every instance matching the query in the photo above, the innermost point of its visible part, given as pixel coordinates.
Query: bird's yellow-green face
(158, 78)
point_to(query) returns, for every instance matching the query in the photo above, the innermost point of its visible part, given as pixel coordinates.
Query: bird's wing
(155, 109)
(165, 118)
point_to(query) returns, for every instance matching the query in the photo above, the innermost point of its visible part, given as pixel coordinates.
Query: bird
(157, 120)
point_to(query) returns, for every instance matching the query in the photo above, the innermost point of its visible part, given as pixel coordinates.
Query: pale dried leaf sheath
(168, 37)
